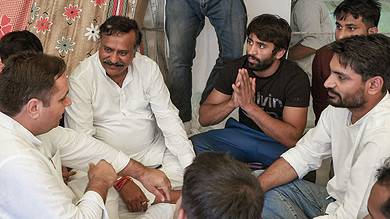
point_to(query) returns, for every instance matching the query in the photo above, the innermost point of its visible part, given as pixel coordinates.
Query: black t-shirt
(288, 86)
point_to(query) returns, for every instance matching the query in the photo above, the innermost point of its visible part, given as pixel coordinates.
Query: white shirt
(137, 118)
(312, 18)
(357, 150)
(30, 172)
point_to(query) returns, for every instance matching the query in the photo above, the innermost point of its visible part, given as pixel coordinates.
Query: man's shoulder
(87, 67)
(143, 61)
(325, 51)
(288, 67)
(238, 63)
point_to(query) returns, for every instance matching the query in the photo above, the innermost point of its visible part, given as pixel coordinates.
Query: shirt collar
(17, 129)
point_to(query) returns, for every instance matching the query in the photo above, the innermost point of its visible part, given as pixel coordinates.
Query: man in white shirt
(354, 131)
(33, 95)
(119, 97)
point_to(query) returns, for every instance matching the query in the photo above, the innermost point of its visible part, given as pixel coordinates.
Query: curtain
(69, 28)
(13, 15)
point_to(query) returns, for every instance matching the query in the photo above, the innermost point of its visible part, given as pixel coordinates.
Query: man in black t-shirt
(271, 92)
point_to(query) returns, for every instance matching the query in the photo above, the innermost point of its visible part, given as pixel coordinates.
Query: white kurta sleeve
(77, 149)
(30, 189)
(167, 118)
(311, 149)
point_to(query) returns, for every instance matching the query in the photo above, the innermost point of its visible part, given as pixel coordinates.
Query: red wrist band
(121, 181)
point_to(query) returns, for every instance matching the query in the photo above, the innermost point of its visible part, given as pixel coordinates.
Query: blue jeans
(241, 142)
(184, 21)
(299, 199)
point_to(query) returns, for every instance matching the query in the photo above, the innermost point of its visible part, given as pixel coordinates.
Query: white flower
(65, 45)
(92, 32)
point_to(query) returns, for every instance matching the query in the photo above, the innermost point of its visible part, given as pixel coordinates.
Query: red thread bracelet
(121, 181)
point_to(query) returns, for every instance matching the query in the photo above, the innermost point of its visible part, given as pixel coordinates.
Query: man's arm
(279, 173)
(166, 114)
(153, 180)
(312, 19)
(78, 150)
(216, 108)
(298, 51)
(32, 189)
(287, 131)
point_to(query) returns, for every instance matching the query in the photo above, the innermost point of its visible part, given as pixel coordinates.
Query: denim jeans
(184, 21)
(241, 142)
(299, 199)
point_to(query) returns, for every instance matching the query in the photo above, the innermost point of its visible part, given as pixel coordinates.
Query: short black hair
(27, 76)
(368, 56)
(271, 28)
(217, 186)
(383, 176)
(369, 10)
(120, 24)
(19, 41)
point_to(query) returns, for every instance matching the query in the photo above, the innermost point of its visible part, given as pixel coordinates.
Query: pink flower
(43, 24)
(5, 25)
(99, 3)
(72, 12)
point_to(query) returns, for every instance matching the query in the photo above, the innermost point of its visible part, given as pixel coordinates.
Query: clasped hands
(244, 89)
(153, 180)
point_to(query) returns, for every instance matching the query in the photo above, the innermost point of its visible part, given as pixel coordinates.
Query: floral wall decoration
(70, 28)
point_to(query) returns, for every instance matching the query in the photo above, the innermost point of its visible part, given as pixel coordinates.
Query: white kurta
(30, 172)
(357, 150)
(137, 118)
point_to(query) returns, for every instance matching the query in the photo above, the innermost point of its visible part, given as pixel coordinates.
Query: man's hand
(66, 174)
(101, 177)
(133, 197)
(244, 89)
(157, 183)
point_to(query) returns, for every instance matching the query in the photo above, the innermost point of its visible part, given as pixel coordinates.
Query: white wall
(207, 45)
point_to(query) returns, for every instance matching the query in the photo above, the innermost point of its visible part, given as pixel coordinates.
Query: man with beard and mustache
(119, 97)
(354, 131)
(272, 95)
(353, 17)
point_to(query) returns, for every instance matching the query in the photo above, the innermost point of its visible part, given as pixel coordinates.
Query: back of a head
(217, 186)
(120, 24)
(271, 28)
(369, 10)
(19, 41)
(368, 56)
(384, 180)
(28, 76)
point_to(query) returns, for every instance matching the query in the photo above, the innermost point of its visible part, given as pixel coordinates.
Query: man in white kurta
(33, 170)
(119, 97)
(33, 95)
(140, 109)
(354, 131)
